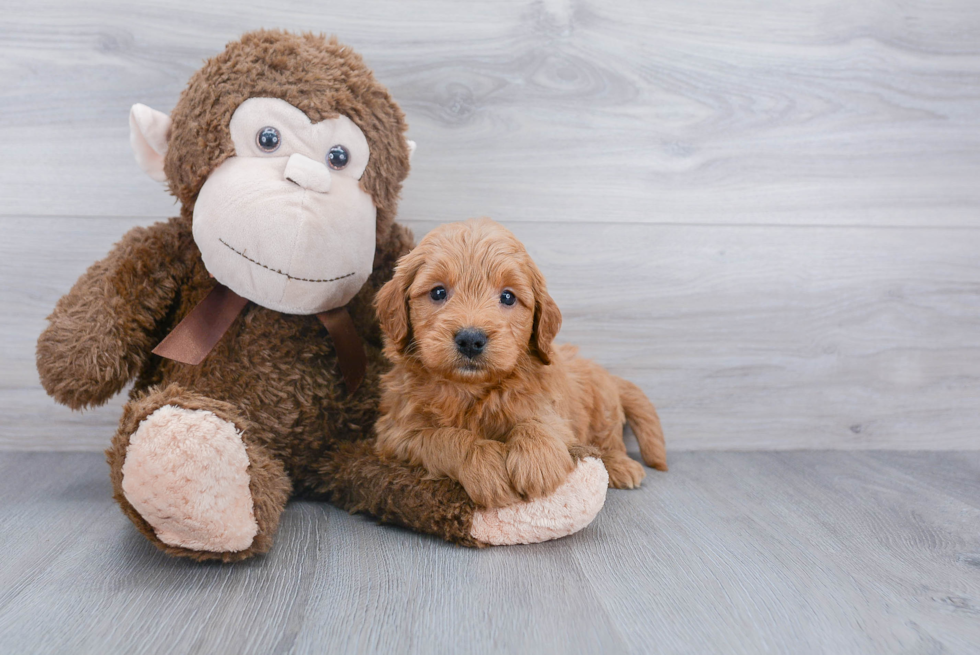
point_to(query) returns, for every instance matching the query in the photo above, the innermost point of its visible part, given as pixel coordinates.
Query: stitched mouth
(276, 270)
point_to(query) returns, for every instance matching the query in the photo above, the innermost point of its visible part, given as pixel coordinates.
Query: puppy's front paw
(485, 475)
(537, 466)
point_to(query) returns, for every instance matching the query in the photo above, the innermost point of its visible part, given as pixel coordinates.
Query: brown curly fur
(268, 483)
(330, 80)
(273, 375)
(502, 422)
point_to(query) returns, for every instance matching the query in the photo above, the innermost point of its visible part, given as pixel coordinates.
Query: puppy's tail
(645, 423)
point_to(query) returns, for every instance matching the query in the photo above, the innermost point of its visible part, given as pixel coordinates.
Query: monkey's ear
(391, 303)
(149, 132)
(411, 148)
(547, 316)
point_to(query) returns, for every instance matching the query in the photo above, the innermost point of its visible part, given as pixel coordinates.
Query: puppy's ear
(391, 302)
(547, 316)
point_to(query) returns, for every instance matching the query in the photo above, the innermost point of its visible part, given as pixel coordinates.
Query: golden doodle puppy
(478, 393)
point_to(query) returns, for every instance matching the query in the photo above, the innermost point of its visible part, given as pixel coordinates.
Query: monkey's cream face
(285, 222)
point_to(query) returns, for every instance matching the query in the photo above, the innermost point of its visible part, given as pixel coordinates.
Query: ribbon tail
(198, 333)
(348, 345)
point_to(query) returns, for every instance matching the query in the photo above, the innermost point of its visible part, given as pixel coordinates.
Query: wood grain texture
(768, 219)
(833, 112)
(728, 553)
(768, 337)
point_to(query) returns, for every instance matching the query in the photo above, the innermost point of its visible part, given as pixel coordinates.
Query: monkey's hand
(102, 331)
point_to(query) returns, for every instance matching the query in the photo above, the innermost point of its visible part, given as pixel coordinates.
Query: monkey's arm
(102, 331)
(399, 242)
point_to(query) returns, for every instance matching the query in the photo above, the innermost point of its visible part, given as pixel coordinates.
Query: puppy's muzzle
(470, 342)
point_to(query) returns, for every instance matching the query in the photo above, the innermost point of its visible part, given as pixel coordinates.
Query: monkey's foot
(571, 507)
(186, 473)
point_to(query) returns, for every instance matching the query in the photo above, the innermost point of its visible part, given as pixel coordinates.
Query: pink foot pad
(569, 509)
(186, 473)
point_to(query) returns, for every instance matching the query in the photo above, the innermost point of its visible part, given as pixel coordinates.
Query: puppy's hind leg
(645, 423)
(624, 472)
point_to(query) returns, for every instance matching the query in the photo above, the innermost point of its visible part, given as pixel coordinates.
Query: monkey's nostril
(470, 342)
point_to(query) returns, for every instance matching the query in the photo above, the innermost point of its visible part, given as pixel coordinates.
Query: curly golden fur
(501, 420)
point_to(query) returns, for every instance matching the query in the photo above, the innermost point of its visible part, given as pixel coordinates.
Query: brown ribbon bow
(199, 332)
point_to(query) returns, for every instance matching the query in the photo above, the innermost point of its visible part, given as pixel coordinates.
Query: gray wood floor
(767, 217)
(818, 552)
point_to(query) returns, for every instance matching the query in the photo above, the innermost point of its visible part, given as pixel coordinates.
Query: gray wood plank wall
(768, 217)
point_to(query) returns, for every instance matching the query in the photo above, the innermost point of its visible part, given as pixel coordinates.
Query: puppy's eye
(438, 294)
(338, 157)
(268, 139)
(508, 298)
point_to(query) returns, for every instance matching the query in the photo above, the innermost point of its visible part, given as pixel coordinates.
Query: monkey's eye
(338, 157)
(508, 298)
(268, 139)
(438, 294)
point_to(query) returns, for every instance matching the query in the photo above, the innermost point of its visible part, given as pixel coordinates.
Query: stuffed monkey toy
(246, 323)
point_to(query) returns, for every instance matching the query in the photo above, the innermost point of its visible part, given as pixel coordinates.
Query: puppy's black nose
(470, 341)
